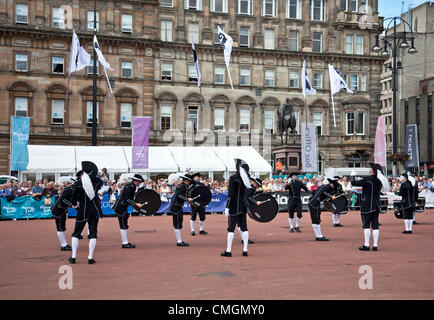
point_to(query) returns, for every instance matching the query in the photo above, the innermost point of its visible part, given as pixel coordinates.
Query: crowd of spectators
(44, 188)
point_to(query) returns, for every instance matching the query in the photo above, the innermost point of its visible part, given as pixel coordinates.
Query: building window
(293, 9)
(269, 39)
(193, 32)
(89, 114)
(22, 13)
(58, 17)
(21, 107)
(244, 36)
(127, 69)
(317, 80)
(293, 40)
(193, 4)
(57, 111)
(216, 35)
(166, 118)
(244, 120)
(349, 44)
(317, 121)
(57, 65)
(245, 7)
(269, 8)
(219, 6)
(219, 75)
(90, 67)
(317, 42)
(354, 82)
(21, 62)
(269, 121)
(166, 3)
(317, 10)
(90, 23)
(219, 119)
(293, 80)
(127, 23)
(166, 71)
(355, 123)
(353, 5)
(363, 82)
(269, 78)
(126, 115)
(359, 44)
(166, 30)
(245, 77)
(192, 73)
(193, 116)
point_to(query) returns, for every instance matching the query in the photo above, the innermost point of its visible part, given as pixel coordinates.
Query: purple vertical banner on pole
(140, 143)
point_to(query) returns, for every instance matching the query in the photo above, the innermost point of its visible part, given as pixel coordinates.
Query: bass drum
(150, 199)
(340, 204)
(266, 211)
(202, 196)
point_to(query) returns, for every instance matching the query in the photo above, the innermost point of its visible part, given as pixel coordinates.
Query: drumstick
(198, 196)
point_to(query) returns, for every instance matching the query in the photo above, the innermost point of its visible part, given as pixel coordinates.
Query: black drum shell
(266, 211)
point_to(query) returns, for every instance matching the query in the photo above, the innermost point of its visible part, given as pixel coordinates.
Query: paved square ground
(280, 265)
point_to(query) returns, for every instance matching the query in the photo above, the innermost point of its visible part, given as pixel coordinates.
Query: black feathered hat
(376, 168)
(187, 177)
(239, 163)
(257, 180)
(293, 174)
(90, 168)
(78, 174)
(138, 177)
(197, 174)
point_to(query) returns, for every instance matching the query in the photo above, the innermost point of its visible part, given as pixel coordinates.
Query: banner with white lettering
(411, 146)
(309, 153)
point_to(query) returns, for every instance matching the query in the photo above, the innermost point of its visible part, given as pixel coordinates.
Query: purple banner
(140, 143)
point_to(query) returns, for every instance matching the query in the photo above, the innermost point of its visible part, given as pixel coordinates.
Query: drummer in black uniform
(337, 191)
(370, 204)
(294, 201)
(89, 208)
(197, 210)
(180, 196)
(406, 191)
(322, 193)
(236, 206)
(60, 212)
(120, 207)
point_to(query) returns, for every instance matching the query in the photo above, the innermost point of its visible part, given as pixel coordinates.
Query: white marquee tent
(66, 160)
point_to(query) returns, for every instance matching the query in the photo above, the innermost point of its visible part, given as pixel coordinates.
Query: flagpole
(95, 64)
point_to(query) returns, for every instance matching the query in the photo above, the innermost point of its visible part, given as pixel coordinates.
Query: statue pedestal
(289, 155)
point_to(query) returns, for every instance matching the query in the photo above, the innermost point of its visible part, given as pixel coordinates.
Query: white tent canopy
(117, 159)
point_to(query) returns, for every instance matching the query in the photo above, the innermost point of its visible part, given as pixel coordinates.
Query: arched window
(126, 100)
(57, 105)
(21, 97)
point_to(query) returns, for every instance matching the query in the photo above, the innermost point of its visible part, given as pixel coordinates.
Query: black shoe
(374, 248)
(364, 248)
(322, 239)
(414, 222)
(245, 253)
(291, 230)
(72, 260)
(182, 244)
(404, 232)
(250, 241)
(339, 225)
(335, 225)
(80, 237)
(297, 229)
(90, 261)
(193, 233)
(203, 232)
(226, 254)
(128, 245)
(66, 248)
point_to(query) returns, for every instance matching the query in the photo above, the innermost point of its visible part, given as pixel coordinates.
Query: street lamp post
(95, 64)
(394, 42)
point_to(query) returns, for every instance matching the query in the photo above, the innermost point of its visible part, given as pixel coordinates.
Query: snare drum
(397, 209)
(420, 205)
(384, 203)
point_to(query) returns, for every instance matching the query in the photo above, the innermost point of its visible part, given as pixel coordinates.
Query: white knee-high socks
(178, 235)
(291, 223)
(245, 240)
(201, 225)
(230, 239)
(61, 236)
(192, 224)
(297, 222)
(367, 233)
(124, 236)
(408, 224)
(92, 244)
(74, 243)
(317, 230)
(376, 235)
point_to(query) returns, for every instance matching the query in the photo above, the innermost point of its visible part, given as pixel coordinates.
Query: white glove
(227, 212)
(353, 173)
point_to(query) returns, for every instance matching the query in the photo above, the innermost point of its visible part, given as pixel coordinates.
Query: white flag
(79, 58)
(101, 58)
(309, 153)
(226, 43)
(307, 87)
(196, 62)
(103, 61)
(337, 83)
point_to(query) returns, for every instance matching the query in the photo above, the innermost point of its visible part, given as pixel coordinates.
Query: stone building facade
(35, 42)
(271, 41)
